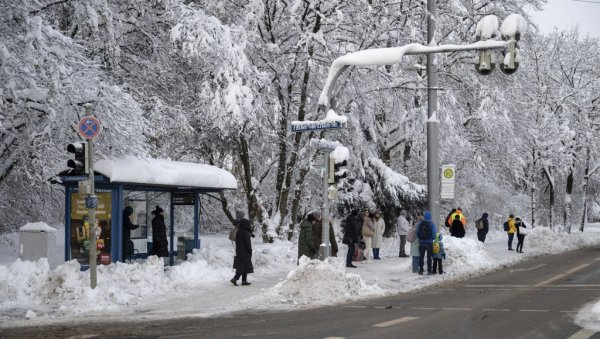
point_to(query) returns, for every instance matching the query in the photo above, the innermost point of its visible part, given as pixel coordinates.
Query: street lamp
(512, 29)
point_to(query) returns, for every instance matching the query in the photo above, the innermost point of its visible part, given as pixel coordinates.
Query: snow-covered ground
(31, 293)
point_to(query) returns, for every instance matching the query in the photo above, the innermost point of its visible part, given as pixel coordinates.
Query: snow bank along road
(533, 299)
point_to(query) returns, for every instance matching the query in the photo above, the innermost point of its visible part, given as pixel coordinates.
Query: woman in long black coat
(159, 234)
(243, 253)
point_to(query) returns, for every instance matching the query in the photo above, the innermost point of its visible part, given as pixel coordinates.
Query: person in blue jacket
(426, 235)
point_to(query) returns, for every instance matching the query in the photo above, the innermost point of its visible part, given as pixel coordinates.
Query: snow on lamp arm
(514, 24)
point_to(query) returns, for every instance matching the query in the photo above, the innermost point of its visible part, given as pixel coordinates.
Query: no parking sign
(89, 127)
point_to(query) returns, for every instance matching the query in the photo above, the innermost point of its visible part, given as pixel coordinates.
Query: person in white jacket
(378, 236)
(402, 229)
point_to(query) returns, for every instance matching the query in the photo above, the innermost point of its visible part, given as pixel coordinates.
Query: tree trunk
(551, 202)
(585, 188)
(569, 200)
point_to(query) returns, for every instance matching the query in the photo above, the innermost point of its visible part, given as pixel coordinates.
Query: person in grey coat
(242, 262)
(402, 229)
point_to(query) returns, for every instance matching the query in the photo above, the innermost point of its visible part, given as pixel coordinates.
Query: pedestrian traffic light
(80, 162)
(337, 170)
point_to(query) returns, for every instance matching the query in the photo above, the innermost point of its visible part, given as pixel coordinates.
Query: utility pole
(433, 121)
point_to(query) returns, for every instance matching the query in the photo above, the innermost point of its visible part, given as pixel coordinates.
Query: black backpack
(506, 226)
(425, 230)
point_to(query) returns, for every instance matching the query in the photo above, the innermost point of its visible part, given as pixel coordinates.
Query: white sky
(568, 13)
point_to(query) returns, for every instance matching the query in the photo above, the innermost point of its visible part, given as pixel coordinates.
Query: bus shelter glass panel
(80, 228)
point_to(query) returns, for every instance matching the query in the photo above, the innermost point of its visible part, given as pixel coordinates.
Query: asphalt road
(535, 299)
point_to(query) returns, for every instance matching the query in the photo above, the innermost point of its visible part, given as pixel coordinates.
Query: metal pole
(91, 211)
(433, 122)
(324, 248)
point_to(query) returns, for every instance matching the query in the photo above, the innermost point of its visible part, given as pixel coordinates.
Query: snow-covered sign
(324, 144)
(331, 121)
(448, 175)
(165, 172)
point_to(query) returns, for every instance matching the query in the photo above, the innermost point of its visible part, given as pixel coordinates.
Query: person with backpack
(402, 229)
(411, 237)
(510, 229)
(439, 253)
(351, 236)
(426, 235)
(448, 220)
(483, 227)
(520, 225)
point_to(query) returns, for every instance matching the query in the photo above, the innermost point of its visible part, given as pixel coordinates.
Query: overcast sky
(567, 13)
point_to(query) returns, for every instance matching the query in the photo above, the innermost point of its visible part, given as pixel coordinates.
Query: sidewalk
(200, 287)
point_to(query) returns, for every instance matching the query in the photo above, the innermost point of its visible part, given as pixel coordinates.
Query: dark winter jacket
(432, 228)
(352, 227)
(159, 237)
(457, 229)
(486, 225)
(243, 248)
(306, 245)
(127, 227)
(318, 236)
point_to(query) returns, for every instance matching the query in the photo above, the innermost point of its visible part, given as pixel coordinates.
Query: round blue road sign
(89, 127)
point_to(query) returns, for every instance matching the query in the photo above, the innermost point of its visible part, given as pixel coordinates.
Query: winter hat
(484, 216)
(427, 215)
(157, 210)
(310, 217)
(239, 214)
(128, 210)
(403, 213)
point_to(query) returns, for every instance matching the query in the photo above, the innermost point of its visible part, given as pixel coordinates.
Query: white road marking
(497, 309)
(456, 309)
(334, 338)
(534, 310)
(569, 311)
(561, 275)
(527, 269)
(582, 334)
(395, 322)
(497, 286)
(423, 308)
(355, 306)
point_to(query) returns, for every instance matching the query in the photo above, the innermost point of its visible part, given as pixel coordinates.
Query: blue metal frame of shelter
(103, 184)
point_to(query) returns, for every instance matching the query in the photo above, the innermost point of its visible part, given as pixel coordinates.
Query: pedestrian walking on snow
(485, 227)
(242, 262)
(402, 226)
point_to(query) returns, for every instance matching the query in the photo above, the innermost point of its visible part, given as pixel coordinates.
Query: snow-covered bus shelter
(142, 184)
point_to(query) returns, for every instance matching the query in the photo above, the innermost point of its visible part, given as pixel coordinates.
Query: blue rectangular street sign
(303, 126)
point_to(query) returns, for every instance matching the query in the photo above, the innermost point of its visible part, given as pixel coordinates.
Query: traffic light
(337, 170)
(510, 61)
(80, 162)
(486, 63)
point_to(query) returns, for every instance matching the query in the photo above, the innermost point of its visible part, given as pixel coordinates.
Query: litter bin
(38, 240)
(184, 247)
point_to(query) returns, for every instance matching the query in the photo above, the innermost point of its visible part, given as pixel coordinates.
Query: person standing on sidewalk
(351, 236)
(402, 229)
(368, 231)
(510, 229)
(426, 234)
(243, 253)
(414, 243)
(378, 236)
